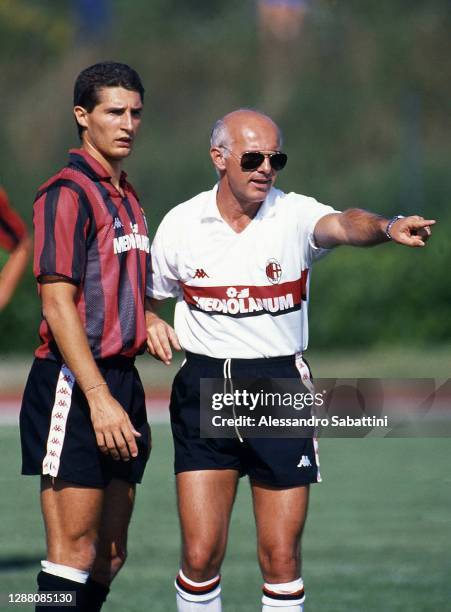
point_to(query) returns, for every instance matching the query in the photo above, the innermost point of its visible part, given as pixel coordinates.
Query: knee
(77, 551)
(279, 564)
(85, 550)
(201, 563)
(108, 564)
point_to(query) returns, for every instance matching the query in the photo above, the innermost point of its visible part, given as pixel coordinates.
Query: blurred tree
(93, 19)
(280, 24)
(366, 124)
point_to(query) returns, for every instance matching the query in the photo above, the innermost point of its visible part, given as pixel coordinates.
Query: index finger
(423, 222)
(129, 433)
(174, 340)
(164, 339)
(160, 351)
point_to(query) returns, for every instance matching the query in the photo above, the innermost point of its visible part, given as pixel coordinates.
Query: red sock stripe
(197, 590)
(284, 596)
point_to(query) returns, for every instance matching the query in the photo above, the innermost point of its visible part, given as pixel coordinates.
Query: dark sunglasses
(251, 160)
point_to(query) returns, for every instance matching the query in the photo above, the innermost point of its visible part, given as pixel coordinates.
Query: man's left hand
(412, 231)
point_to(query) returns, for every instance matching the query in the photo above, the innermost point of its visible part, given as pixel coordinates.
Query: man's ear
(217, 157)
(81, 116)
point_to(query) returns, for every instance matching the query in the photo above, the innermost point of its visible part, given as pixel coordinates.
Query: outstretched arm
(357, 227)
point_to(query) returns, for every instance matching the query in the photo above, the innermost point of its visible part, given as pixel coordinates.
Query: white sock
(64, 571)
(198, 596)
(288, 595)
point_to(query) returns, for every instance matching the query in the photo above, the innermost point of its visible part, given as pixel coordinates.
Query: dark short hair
(104, 74)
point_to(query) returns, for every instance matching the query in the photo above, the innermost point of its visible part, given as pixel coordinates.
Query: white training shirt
(239, 295)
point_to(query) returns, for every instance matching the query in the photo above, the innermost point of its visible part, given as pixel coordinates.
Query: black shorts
(56, 432)
(282, 462)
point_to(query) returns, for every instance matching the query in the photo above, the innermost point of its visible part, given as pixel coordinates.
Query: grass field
(377, 540)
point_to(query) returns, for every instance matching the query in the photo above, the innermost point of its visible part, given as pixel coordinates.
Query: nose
(265, 166)
(127, 121)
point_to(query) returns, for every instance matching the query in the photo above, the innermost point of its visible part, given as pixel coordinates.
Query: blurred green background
(362, 94)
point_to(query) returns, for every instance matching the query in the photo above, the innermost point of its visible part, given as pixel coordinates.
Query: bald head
(244, 125)
(245, 181)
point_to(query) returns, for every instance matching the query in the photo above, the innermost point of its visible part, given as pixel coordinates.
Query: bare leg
(72, 518)
(205, 500)
(280, 516)
(111, 552)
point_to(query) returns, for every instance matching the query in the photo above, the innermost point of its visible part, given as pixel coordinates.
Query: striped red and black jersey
(90, 235)
(12, 228)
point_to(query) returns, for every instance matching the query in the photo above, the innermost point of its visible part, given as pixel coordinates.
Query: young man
(83, 420)
(246, 236)
(14, 239)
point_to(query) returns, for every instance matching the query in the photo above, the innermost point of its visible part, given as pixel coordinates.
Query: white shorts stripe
(304, 372)
(316, 447)
(60, 412)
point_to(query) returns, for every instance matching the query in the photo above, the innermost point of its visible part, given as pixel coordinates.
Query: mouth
(125, 142)
(261, 184)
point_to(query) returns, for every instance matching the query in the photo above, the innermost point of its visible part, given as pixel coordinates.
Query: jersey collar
(87, 164)
(211, 211)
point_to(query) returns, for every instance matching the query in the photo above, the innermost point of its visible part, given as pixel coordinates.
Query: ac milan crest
(273, 271)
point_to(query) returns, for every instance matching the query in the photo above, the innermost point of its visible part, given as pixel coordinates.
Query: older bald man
(245, 239)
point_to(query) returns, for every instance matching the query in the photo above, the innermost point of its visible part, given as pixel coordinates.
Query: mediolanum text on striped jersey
(127, 242)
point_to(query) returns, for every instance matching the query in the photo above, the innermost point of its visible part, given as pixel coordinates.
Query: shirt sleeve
(310, 212)
(163, 278)
(61, 224)
(12, 228)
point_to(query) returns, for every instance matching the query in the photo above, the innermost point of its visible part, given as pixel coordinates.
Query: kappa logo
(200, 273)
(273, 271)
(304, 462)
(117, 224)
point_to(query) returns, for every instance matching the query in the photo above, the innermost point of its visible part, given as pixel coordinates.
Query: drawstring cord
(228, 383)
